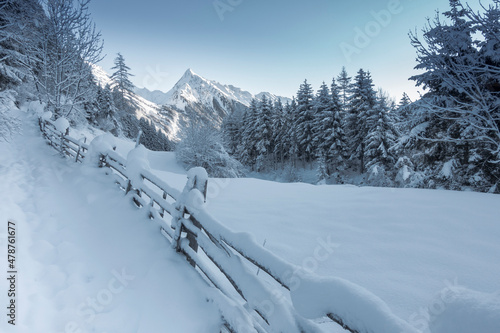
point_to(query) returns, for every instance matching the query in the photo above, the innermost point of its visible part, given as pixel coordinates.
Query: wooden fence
(228, 261)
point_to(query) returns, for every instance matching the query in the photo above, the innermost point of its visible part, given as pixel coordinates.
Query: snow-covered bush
(405, 171)
(377, 176)
(37, 108)
(201, 146)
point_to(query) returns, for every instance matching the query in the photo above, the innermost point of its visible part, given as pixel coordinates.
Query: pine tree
(231, 131)
(106, 117)
(153, 139)
(337, 152)
(279, 123)
(405, 101)
(263, 134)
(361, 104)
(121, 78)
(247, 151)
(322, 172)
(381, 137)
(323, 119)
(329, 132)
(292, 142)
(403, 116)
(304, 122)
(344, 83)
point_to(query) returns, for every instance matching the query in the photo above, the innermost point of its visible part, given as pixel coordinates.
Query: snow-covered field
(433, 256)
(88, 259)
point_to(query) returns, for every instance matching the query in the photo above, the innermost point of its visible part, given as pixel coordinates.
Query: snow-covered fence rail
(284, 299)
(58, 138)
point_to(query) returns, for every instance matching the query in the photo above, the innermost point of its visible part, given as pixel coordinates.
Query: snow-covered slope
(101, 76)
(88, 261)
(194, 89)
(165, 118)
(155, 96)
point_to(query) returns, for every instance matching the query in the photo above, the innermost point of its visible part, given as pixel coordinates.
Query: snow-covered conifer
(304, 122)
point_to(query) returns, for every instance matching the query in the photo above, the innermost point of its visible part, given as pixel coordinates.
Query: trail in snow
(88, 260)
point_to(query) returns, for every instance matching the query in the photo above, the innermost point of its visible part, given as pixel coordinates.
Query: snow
(447, 170)
(197, 178)
(137, 161)
(37, 108)
(61, 124)
(406, 173)
(144, 108)
(402, 245)
(375, 256)
(47, 115)
(88, 260)
(193, 88)
(461, 310)
(99, 146)
(314, 297)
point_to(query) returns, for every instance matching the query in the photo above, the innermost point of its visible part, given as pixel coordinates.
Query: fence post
(61, 145)
(79, 148)
(197, 180)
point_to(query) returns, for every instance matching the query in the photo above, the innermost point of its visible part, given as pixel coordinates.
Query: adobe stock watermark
(324, 249)
(88, 310)
(421, 318)
(223, 6)
(364, 36)
(154, 78)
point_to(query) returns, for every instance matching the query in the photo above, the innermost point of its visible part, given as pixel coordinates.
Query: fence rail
(228, 261)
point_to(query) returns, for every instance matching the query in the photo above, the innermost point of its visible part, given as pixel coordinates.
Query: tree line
(449, 138)
(346, 125)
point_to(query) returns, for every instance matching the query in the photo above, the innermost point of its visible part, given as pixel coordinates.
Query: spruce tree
(337, 153)
(344, 83)
(304, 122)
(231, 131)
(247, 151)
(329, 132)
(291, 133)
(121, 78)
(361, 104)
(381, 136)
(263, 134)
(279, 123)
(107, 113)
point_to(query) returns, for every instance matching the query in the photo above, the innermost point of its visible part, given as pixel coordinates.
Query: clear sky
(260, 45)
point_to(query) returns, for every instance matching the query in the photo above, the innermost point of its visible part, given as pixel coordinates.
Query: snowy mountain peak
(189, 72)
(194, 89)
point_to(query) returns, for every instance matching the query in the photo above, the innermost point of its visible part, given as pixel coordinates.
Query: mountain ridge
(193, 88)
(192, 100)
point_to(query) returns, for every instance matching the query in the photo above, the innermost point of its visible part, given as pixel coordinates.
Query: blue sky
(262, 45)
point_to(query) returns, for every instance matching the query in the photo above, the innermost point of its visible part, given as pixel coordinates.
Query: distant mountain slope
(165, 118)
(194, 91)
(193, 99)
